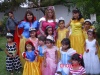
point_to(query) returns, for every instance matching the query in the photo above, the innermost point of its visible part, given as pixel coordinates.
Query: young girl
(12, 59)
(31, 66)
(66, 53)
(49, 32)
(62, 32)
(41, 48)
(50, 58)
(87, 26)
(33, 38)
(90, 54)
(77, 67)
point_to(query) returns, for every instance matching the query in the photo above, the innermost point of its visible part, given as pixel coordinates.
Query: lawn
(3, 58)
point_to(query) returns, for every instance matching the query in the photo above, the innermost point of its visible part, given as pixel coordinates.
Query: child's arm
(67, 34)
(44, 59)
(16, 51)
(97, 47)
(68, 24)
(56, 57)
(10, 55)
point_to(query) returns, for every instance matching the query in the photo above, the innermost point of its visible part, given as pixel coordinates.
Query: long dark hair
(29, 42)
(77, 11)
(78, 58)
(29, 12)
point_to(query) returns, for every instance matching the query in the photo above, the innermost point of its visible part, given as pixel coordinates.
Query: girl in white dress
(91, 60)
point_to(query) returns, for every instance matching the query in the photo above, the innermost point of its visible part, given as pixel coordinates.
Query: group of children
(53, 55)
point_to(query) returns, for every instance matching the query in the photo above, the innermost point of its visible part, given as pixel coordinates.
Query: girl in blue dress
(66, 53)
(26, 24)
(31, 66)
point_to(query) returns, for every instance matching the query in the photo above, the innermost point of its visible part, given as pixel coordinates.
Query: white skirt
(91, 62)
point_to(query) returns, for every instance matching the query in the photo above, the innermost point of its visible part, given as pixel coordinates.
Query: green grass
(3, 58)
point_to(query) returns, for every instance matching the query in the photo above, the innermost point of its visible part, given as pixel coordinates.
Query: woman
(76, 36)
(48, 19)
(30, 21)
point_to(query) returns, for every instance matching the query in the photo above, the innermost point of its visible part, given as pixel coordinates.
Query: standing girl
(50, 58)
(33, 38)
(76, 36)
(77, 67)
(41, 48)
(31, 66)
(62, 32)
(66, 53)
(90, 54)
(12, 59)
(49, 32)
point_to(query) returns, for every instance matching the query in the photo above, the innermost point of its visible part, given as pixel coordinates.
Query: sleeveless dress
(12, 63)
(80, 71)
(31, 67)
(93, 64)
(51, 66)
(64, 62)
(25, 25)
(76, 37)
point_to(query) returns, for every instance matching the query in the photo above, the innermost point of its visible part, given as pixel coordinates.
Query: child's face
(90, 34)
(61, 24)
(64, 47)
(29, 47)
(9, 39)
(40, 42)
(87, 25)
(48, 44)
(75, 62)
(50, 31)
(33, 33)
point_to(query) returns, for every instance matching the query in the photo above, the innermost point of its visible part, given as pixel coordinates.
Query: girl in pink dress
(49, 19)
(50, 58)
(33, 38)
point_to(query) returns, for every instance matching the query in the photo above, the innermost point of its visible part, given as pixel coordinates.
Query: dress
(65, 57)
(41, 56)
(25, 25)
(51, 66)
(80, 71)
(35, 42)
(76, 37)
(93, 64)
(48, 23)
(31, 67)
(61, 34)
(12, 63)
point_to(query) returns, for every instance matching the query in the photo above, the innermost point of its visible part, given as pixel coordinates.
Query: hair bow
(80, 56)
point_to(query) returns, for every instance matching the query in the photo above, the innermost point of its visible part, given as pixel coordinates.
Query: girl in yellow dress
(31, 66)
(76, 37)
(62, 32)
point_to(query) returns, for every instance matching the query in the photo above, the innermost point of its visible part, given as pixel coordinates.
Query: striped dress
(80, 71)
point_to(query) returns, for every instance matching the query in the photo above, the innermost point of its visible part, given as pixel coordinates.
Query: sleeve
(42, 19)
(71, 52)
(21, 25)
(83, 71)
(7, 24)
(82, 20)
(15, 21)
(37, 25)
(24, 54)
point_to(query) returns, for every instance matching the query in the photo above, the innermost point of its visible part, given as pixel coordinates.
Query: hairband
(48, 27)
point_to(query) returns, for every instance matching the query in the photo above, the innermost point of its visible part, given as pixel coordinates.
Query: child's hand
(87, 50)
(56, 61)
(10, 55)
(45, 64)
(96, 52)
(27, 59)
(14, 56)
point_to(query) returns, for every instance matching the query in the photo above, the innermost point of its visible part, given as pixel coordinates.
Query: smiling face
(48, 44)
(61, 24)
(29, 17)
(33, 33)
(87, 25)
(90, 34)
(29, 47)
